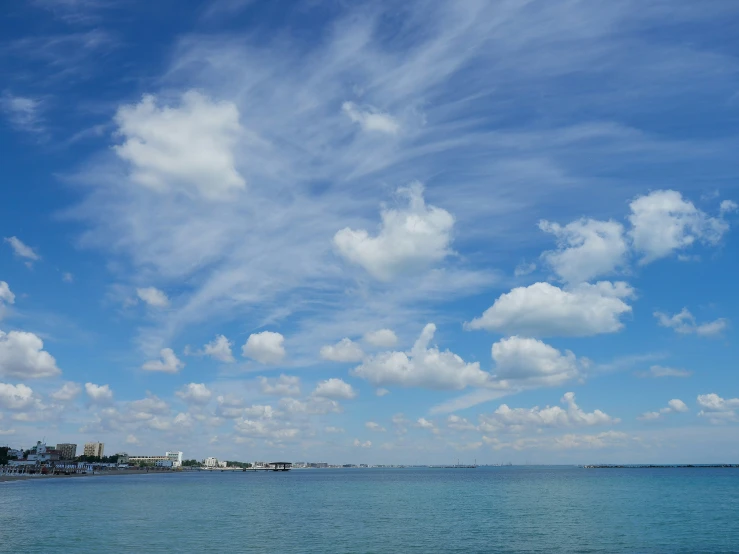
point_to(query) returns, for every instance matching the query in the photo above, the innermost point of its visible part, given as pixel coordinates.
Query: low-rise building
(175, 457)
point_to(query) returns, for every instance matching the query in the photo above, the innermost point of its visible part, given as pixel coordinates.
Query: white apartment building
(210, 462)
(175, 457)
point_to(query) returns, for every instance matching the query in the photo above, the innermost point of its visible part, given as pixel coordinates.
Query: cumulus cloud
(371, 119)
(517, 419)
(663, 222)
(22, 250)
(382, 338)
(16, 397)
(345, 350)
(360, 444)
(684, 323)
(98, 394)
(22, 357)
(69, 391)
(661, 371)
(153, 297)
(169, 363)
(673, 406)
(409, 239)
(459, 423)
(373, 426)
(728, 206)
(219, 349)
(335, 389)
(284, 385)
(265, 347)
(382, 392)
(524, 269)
(717, 409)
(331, 429)
(521, 361)
(195, 393)
(423, 366)
(544, 310)
(6, 297)
(315, 405)
(586, 249)
(187, 148)
(423, 423)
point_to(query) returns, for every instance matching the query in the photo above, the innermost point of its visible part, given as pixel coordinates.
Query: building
(210, 462)
(164, 463)
(147, 460)
(122, 458)
(67, 451)
(94, 449)
(175, 457)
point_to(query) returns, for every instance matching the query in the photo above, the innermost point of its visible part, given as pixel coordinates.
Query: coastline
(38, 477)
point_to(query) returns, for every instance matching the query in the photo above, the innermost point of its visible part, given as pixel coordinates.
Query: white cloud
(423, 423)
(673, 406)
(22, 357)
(408, 240)
(586, 249)
(284, 385)
(458, 423)
(331, 429)
(661, 371)
(422, 367)
(371, 119)
(524, 269)
(718, 409)
(265, 347)
(373, 426)
(528, 362)
(153, 297)
(545, 310)
(728, 206)
(67, 277)
(517, 419)
(16, 397)
(131, 439)
(6, 295)
(334, 389)
(382, 338)
(169, 362)
(189, 148)
(360, 444)
(663, 222)
(382, 392)
(343, 351)
(69, 391)
(312, 405)
(195, 393)
(99, 394)
(219, 349)
(684, 323)
(23, 113)
(22, 250)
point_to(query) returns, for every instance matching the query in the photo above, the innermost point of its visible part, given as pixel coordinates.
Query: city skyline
(371, 233)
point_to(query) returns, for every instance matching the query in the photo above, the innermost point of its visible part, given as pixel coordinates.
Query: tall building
(67, 451)
(94, 449)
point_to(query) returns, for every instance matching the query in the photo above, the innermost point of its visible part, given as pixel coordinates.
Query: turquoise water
(513, 509)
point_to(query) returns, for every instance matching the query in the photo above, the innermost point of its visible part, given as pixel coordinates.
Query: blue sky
(501, 231)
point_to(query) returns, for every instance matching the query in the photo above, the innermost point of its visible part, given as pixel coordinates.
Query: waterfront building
(164, 463)
(210, 462)
(94, 449)
(149, 460)
(175, 457)
(122, 458)
(67, 451)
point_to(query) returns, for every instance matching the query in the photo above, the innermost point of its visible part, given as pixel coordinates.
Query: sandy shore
(37, 477)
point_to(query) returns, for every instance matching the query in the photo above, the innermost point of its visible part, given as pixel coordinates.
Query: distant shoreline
(660, 466)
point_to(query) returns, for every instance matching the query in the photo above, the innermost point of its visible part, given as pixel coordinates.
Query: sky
(382, 232)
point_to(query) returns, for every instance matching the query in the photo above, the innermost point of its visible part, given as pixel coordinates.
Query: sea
(424, 510)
